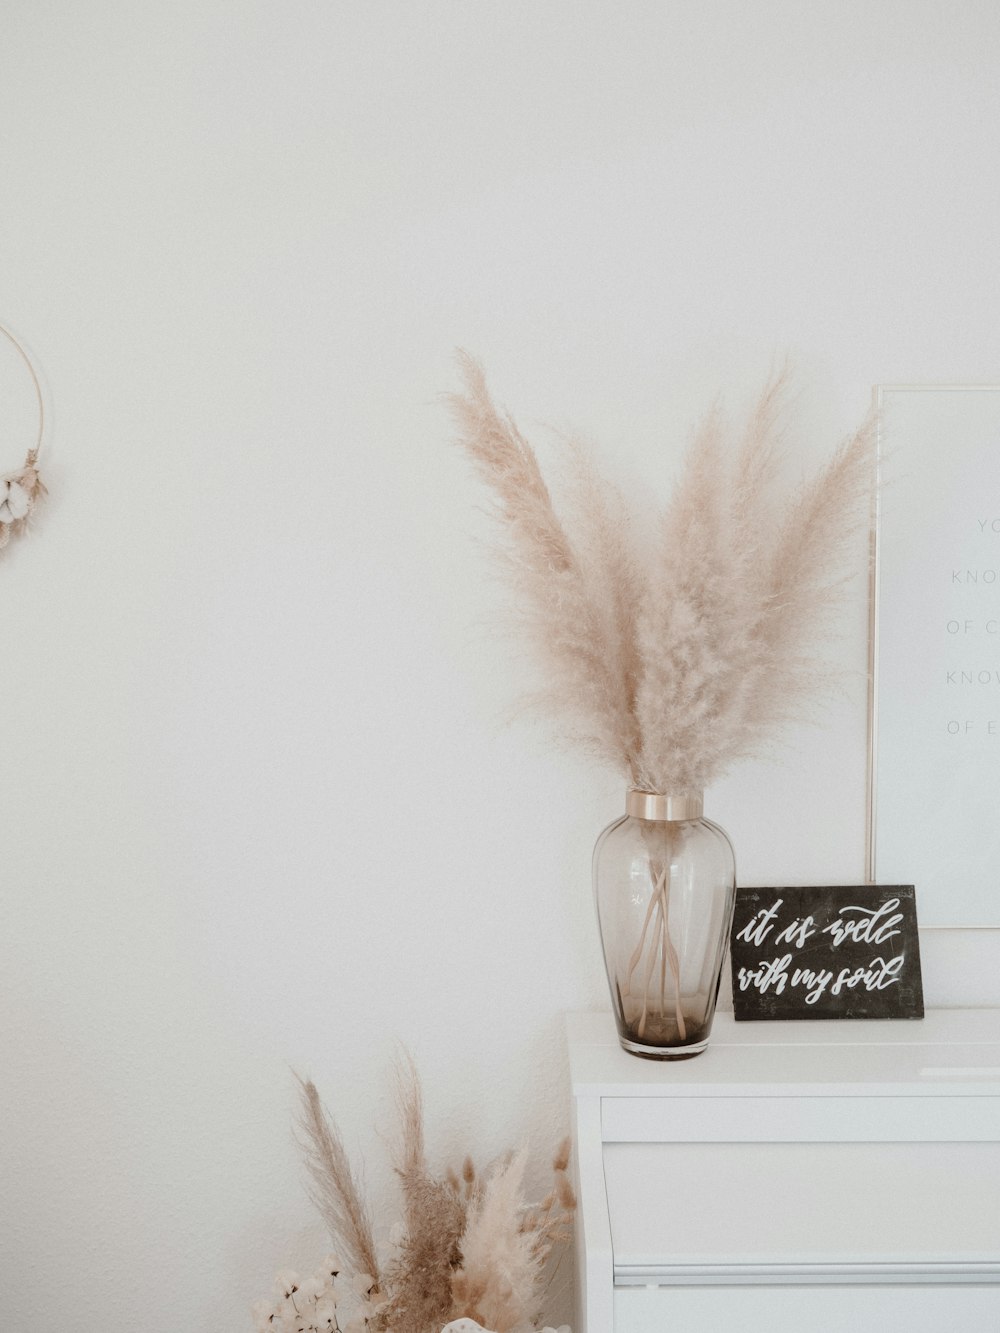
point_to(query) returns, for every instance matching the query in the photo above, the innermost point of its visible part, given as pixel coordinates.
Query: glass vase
(665, 884)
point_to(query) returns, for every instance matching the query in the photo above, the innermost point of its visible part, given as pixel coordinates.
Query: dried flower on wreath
(19, 493)
(675, 661)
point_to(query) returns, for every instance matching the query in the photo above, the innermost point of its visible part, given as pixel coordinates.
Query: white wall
(260, 810)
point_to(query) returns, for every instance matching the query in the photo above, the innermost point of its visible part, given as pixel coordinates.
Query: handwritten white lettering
(797, 933)
(870, 926)
(773, 974)
(878, 975)
(759, 926)
(815, 982)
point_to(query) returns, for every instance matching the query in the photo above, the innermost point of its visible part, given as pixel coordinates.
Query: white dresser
(821, 1176)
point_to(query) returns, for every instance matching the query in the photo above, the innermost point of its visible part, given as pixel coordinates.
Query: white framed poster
(934, 784)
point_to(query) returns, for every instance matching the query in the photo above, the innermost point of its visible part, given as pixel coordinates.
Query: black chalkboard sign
(826, 953)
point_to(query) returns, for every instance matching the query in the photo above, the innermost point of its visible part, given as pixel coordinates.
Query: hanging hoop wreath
(20, 491)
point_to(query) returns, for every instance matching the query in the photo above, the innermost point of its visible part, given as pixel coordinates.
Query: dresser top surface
(948, 1052)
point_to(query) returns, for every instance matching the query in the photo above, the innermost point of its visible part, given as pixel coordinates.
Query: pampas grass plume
(675, 660)
(334, 1190)
(434, 1217)
(499, 1282)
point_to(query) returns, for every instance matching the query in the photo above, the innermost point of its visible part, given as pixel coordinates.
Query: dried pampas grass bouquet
(671, 661)
(470, 1251)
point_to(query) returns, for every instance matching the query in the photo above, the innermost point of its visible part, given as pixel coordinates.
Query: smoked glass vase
(665, 883)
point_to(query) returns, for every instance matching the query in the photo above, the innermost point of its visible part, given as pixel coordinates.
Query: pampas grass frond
(507, 1244)
(560, 1161)
(576, 608)
(334, 1191)
(674, 662)
(499, 1282)
(806, 581)
(613, 587)
(434, 1217)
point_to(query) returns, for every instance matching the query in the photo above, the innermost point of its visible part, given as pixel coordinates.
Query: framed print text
(934, 783)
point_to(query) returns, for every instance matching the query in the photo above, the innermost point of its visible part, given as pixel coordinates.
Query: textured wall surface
(261, 807)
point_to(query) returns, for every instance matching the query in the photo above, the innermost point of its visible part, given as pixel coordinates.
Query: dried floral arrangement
(470, 1251)
(673, 662)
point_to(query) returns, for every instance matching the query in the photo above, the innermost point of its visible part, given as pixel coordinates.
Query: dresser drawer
(854, 1213)
(965, 1309)
(799, 1118)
